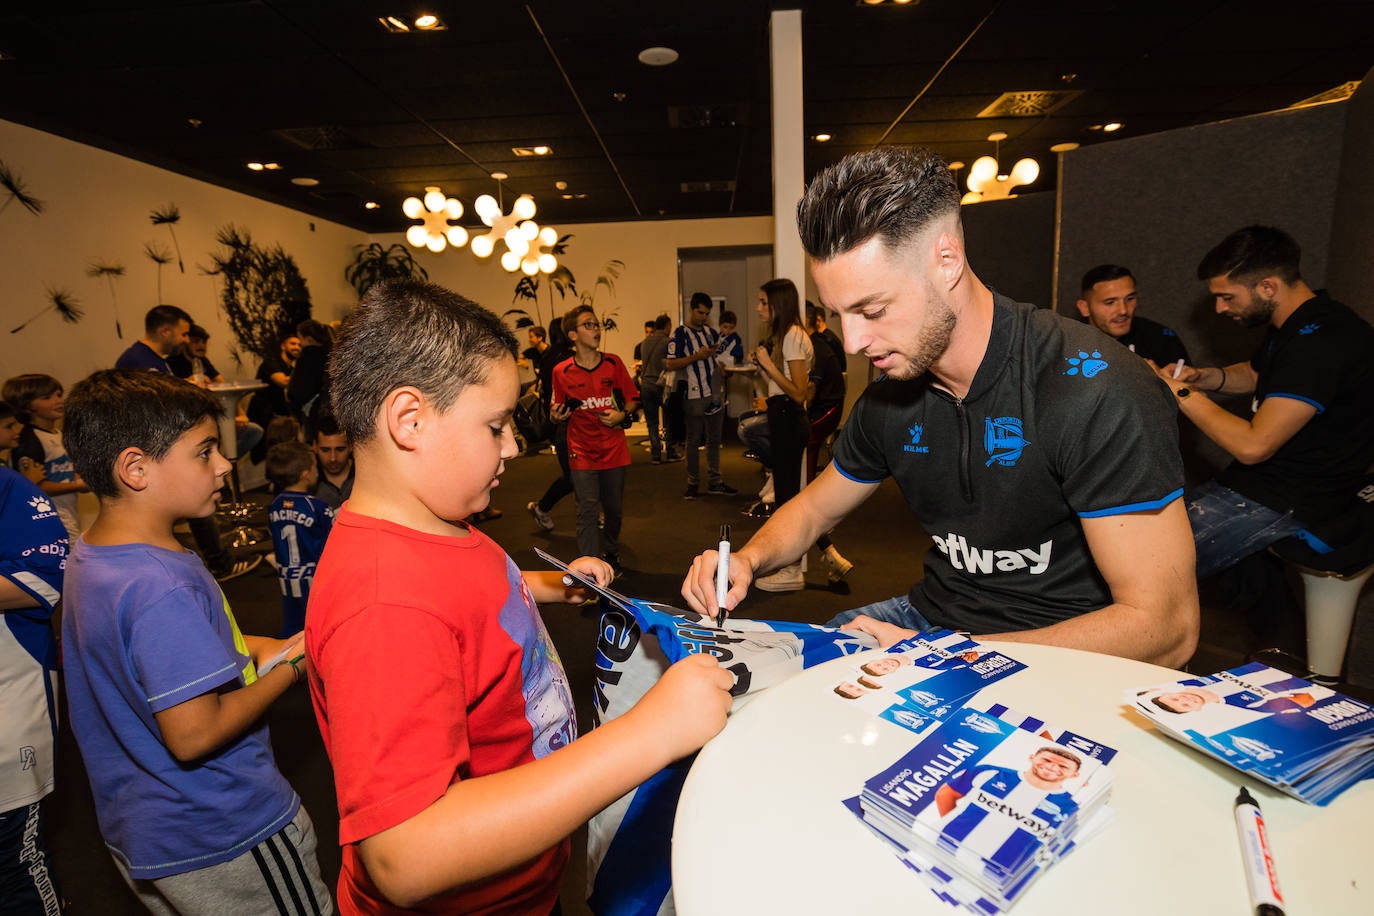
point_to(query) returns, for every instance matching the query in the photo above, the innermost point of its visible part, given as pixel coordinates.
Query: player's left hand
(886, 633)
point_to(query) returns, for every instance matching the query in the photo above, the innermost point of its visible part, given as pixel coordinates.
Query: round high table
(235, 512)
(760, 828)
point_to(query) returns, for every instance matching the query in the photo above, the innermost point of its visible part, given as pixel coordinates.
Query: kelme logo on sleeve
(915, 446)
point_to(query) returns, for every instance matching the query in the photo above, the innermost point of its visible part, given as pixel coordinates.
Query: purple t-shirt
(146, 629)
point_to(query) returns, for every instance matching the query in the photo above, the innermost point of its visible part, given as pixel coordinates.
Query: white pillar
(789, 173)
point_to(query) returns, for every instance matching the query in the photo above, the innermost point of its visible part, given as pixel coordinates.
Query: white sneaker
(836, 566)
(544, 519)
(787, 579)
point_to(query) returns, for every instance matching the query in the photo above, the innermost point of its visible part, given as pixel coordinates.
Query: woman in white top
(785, 361)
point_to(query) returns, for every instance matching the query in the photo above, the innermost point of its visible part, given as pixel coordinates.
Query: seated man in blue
(1044, 466)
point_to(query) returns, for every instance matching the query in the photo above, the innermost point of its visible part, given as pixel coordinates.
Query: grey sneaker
(544, 519)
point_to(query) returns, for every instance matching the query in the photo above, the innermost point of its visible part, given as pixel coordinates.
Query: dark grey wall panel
(1351, 272)
(1010, 245)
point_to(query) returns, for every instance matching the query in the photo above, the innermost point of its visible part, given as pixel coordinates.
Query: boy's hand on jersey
(687, 706)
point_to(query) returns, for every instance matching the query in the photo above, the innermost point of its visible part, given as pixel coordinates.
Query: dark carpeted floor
(662, 533)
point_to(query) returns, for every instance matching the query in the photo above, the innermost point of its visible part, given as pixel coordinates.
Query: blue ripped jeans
(1228, 527)
(898, 611)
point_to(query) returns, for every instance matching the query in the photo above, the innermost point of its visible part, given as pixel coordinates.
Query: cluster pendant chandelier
(525, 241)
(986, 181)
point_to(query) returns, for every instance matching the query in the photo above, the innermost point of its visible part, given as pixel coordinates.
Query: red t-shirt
(430, 664)
(591, 445)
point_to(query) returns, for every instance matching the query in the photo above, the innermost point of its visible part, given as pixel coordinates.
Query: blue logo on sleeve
(915, 446)
(1003, 440)
(1308, 328)
(1087, 364)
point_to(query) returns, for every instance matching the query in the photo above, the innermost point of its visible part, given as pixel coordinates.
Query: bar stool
(1333, 568)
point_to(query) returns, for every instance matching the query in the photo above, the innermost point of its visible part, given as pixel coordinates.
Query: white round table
(760, 828)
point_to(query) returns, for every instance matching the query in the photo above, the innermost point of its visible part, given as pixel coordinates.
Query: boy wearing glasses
(594, 392)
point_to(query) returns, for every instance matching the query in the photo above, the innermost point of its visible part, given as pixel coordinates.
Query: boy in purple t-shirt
(166, 694)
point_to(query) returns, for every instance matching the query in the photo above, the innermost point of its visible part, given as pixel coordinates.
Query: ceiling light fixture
(985, 178)
(428, 22)
(371, 205)
(434, 212)
(524, 239)
(272, 166)
(1112, 126)
(256, 166)
(305, 182)
(523, 151)
(1063, 147)
(393, 24)
(821, 138)
(658, 57)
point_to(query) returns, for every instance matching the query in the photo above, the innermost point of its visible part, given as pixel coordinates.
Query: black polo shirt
(1323, 356)
(1152, 340)
(1057, 426)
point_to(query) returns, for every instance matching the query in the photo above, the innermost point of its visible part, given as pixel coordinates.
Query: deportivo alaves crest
(1003, 441)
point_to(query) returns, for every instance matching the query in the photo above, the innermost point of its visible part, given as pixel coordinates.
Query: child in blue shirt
(166, 695)
(299, 523)
(33, 553)
(729, 352)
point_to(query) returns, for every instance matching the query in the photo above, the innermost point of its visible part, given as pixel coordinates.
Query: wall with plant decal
(112, 237)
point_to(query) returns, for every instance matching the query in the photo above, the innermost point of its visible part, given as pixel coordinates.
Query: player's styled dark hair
(22, 390)
(894, 193)
(197, 333)
(784, 303)
(700, 298)
(287, 461)
(409, 333)
(1103, 273)
(161, 316)
(728, 317)
(1249, 255)
(574, 315)
(114, 409)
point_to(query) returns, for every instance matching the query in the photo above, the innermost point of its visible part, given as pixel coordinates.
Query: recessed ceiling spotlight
(658, 56)
(1094, 127)
(619, 96)
(561, 185)
(194, 122)
(371, 205)
(429, 23)
(1112, 126)
(272, 166)
(1063, 147)
(821, 138)
(305, 182)
(393, 24)
(956, 165)
(997, 136)
(567, 197)
(532, 150)
(499, 176)
(256, 166)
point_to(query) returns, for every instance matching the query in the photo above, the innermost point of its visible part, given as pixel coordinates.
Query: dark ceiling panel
(322, 88)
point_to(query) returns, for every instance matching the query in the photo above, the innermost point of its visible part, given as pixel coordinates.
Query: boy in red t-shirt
(442, 704)
(594, 393)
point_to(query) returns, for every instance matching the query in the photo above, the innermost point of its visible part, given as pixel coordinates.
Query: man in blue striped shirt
(692, 349)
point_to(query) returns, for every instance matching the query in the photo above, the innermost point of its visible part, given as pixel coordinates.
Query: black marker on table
(1260, 876)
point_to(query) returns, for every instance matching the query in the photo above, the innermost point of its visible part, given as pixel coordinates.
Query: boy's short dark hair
(538, 332)
(6, 411)
(22, 390)
(728, 317)
(287, 461)
(573, 315)
(662, 322)
(197, 332)
(700, 298)
(409, 333)
(282, 429)
(114, 409)
(161, 316)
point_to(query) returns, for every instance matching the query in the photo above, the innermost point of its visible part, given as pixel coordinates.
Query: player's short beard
(1261, 311)
(931, 342)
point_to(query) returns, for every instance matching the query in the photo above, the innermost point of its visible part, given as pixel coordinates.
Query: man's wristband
(295, 663)
(1222, 383)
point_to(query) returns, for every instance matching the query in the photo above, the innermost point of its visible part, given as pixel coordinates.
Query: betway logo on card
(979, 560)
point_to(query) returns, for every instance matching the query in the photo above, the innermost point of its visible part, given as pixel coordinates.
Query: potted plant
(374, 263)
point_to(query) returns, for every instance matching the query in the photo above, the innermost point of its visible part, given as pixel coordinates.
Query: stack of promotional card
(986, 802)
(921, 680)
(1301, 738)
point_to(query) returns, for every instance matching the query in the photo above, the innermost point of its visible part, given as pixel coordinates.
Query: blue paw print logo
(1086, 364)
(1308, 328)
(915, 433)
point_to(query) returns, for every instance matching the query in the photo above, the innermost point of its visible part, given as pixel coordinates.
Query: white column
(789, 174)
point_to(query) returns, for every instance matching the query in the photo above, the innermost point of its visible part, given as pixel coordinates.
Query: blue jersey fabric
(300, 524)
(141, 356)
(33, 555)
(145, 629)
